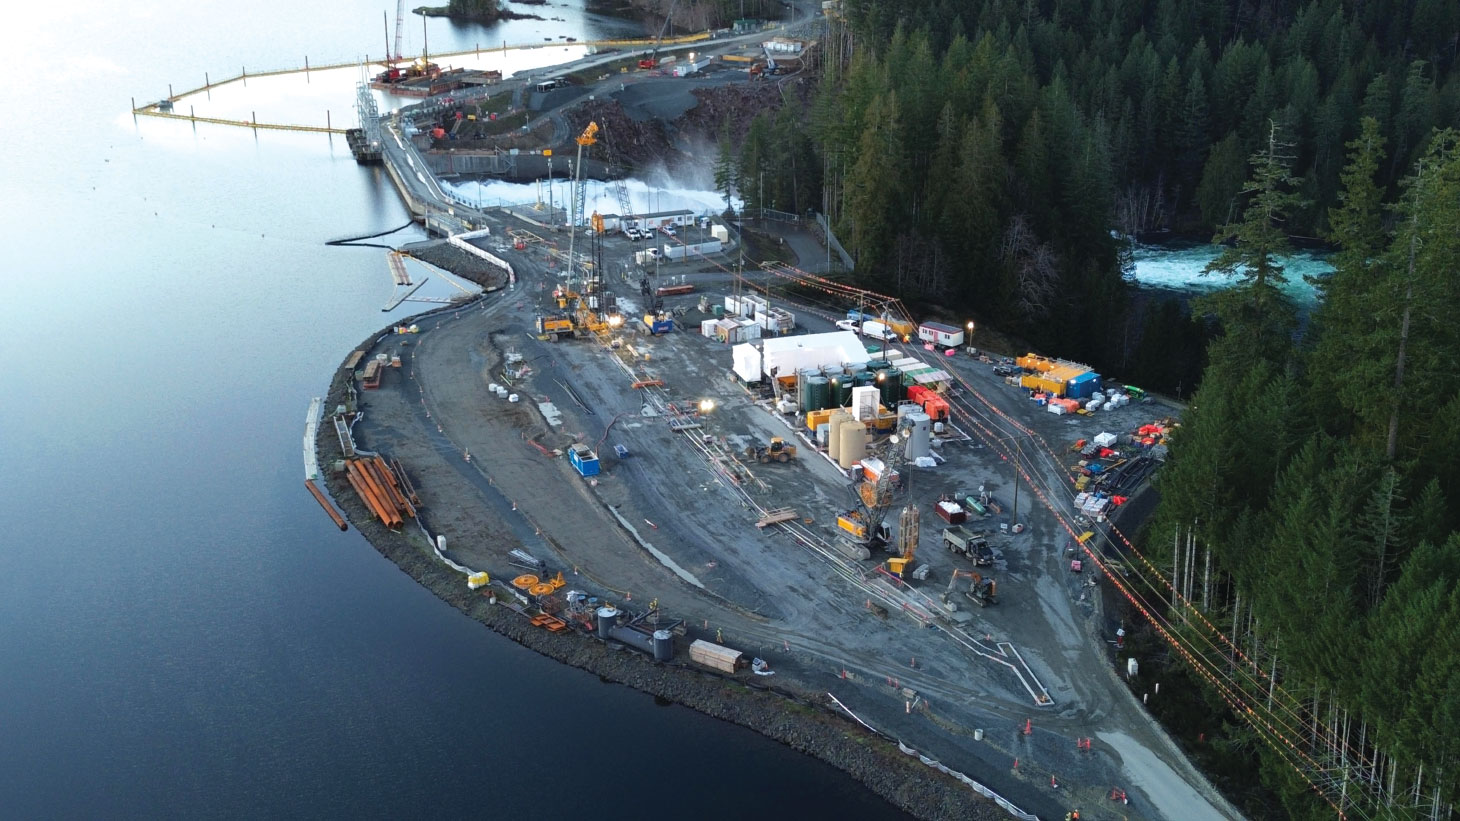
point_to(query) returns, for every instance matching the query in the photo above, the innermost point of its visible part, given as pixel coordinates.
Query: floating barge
(365, 152)
(419, 82)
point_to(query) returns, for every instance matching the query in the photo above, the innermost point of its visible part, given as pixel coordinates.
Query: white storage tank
(852, 444)
(919, 443)
(833, 436)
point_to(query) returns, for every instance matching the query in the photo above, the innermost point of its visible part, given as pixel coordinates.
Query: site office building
(653, 222)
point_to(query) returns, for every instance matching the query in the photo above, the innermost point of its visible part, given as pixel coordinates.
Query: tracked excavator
(983, 591)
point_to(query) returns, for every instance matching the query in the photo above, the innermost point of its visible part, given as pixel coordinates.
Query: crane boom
(400, 13)
(653, 61)
(588, 137)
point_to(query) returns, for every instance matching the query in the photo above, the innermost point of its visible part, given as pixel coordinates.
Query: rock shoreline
(797, 719)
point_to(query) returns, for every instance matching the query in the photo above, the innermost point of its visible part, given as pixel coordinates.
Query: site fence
(779, 216)
(832, 242)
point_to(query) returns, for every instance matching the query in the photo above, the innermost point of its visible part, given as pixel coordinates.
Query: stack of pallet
(380, 490)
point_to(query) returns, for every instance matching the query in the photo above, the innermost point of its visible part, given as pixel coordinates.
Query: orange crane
(584, 314)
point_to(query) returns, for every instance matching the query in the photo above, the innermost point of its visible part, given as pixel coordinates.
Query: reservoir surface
(185, 634)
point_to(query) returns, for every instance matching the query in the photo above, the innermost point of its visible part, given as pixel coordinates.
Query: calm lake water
(182, 632)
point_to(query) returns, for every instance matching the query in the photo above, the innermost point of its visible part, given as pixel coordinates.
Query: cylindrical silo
(819, 390)
(919, 443)
(663, 645)
(890, 382)
(833, 436)
(841, 391)
(862, 378)
(607, 620)
(853, 444)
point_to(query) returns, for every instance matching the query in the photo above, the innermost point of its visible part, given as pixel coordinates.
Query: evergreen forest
(992, 157)
(994, 154)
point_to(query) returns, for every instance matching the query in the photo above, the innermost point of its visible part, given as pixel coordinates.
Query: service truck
(944, 336)
(878, 330)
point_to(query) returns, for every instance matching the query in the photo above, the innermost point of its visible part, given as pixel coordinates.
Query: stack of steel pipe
(386, 478)
(378, 489)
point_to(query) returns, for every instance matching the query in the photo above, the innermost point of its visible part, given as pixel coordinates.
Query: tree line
(1315, 472)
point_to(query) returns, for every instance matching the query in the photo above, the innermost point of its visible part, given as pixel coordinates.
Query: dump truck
(965, 542)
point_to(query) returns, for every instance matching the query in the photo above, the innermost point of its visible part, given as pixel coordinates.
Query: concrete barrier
(460, 241)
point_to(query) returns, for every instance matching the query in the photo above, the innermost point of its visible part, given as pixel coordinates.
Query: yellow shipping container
(1034, 362)
(1043, 383)
(1065, 371)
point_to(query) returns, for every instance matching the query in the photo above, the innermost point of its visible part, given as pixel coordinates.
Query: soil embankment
(787, 714)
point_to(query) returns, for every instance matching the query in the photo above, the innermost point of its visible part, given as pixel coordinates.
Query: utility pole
(551, 220)
(1018, 457)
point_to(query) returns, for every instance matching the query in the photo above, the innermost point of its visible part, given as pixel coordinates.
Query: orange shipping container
(936, 407)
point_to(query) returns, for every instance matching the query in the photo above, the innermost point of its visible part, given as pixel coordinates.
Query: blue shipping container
(1083, 386)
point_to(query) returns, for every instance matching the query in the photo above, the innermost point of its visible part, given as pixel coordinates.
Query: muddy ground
(665, 526)
(781, 710)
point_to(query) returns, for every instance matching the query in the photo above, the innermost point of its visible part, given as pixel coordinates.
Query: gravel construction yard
(670, 526)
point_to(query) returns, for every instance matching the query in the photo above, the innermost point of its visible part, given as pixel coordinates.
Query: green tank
(890, 381)
(816, 394)
(841, 391)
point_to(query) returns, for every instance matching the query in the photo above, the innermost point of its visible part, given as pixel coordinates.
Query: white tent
(785, 355)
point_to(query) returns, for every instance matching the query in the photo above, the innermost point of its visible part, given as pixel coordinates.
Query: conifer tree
(1256, 314)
